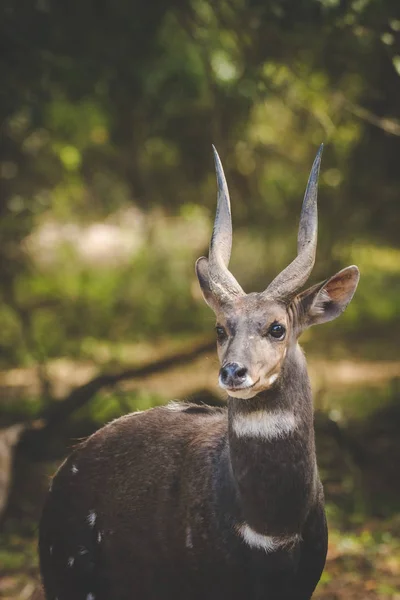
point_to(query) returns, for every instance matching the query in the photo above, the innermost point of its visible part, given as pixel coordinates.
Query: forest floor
(364, 552)
(363, 564)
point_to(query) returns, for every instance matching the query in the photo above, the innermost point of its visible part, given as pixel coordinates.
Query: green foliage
(122, 114)
(107, 194)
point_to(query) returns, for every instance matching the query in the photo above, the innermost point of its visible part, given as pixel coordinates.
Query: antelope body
(189, 502)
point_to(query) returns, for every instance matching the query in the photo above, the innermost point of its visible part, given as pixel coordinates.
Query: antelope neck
(291, 392)
(272, 452)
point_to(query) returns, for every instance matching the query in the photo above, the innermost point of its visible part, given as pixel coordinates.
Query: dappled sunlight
(111, 243)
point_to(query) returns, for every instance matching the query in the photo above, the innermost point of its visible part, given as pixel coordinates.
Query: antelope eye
(277, 331)
(221, 333)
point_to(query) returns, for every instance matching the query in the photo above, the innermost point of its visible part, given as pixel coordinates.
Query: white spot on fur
(70, 561)
(90, 596)
(82, 550)
(91, 518)
(189, 540)
(263, 424)
(99, 537)
(264, 542)
(74, 469)
(51, 550)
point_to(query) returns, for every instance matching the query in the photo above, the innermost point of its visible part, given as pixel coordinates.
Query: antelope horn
(222, 283)
(296, 274)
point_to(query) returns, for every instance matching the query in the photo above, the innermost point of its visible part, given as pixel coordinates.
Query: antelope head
(256, 331)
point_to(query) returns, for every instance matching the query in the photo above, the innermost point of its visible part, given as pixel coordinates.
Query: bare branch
(391, 126)
(59, 411)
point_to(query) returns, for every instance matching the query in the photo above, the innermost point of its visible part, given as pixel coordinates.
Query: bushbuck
(187, 502)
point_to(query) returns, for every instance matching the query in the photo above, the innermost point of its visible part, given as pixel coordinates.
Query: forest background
(108, 110)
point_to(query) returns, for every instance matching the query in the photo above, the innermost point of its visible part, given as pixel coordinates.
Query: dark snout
(233, 375)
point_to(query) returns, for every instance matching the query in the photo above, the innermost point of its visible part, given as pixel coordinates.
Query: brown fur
(169, 488)
(157, 505)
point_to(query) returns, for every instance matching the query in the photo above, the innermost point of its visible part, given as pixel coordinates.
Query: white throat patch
(263, 424)
(267, 543)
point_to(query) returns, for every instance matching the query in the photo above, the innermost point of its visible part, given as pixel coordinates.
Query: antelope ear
(327, 300)
(204, 281)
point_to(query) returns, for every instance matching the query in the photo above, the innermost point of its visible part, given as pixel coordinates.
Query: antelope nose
(233, 374)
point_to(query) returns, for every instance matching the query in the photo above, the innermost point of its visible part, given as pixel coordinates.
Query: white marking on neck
(90, 596)
(267, 543)
(71, 561)
(74, 469)
(263, 424)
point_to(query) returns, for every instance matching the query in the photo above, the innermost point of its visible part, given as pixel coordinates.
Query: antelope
(188, 502)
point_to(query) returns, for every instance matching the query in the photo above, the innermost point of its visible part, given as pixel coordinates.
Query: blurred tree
(106, 105)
